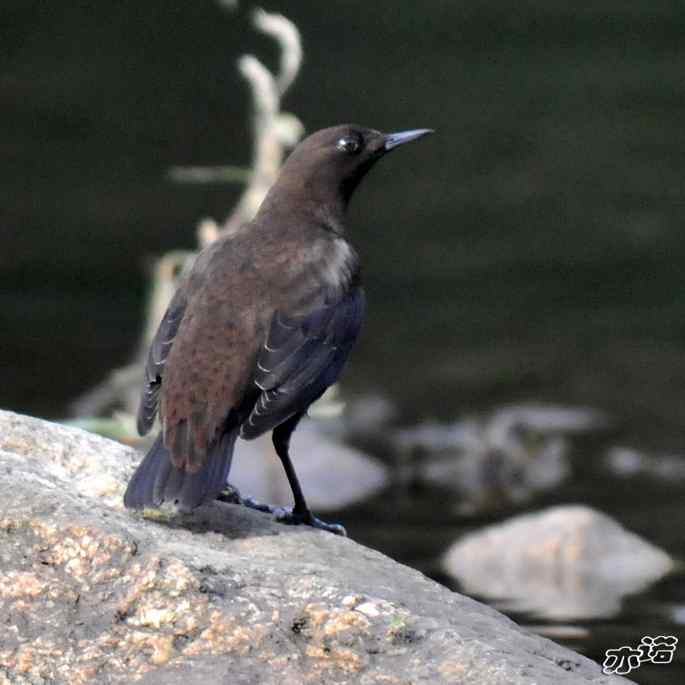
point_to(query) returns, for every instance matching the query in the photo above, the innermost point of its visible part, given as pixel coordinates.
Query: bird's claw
(283, 515)
(252, 503)
(292, 518)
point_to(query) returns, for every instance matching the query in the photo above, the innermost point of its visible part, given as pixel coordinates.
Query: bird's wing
(157, 356)
(300, 358)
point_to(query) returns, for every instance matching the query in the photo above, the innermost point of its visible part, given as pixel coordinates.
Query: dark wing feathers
(157, 356)
(301, 357)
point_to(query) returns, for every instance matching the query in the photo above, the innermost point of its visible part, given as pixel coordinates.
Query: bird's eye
(349, 144)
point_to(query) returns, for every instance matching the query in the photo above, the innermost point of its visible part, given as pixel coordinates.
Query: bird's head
(332, 161)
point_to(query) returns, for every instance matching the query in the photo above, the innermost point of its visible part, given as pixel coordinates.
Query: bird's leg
(300, 513)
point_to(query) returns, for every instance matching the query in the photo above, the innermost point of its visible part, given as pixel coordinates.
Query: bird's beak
(394, 139)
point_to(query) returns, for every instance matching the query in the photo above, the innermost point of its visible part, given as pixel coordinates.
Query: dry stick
(273, 131)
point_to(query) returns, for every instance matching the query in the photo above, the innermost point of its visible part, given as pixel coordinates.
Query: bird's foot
(293, 518)
(281, 514)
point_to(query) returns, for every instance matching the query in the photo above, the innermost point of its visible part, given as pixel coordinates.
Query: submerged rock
(550, 419)
(489, 477)
(627, 462)
(367, 415)
(502, 427)
(567, 562)
(90, 593)
(332, 475)
(508, 456)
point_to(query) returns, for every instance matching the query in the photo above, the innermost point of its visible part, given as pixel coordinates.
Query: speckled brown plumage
(232, 298)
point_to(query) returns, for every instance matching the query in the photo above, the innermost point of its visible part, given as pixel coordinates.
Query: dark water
(413, 527)
(530, 250)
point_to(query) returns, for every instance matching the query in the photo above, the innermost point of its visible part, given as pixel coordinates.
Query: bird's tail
(157, 480)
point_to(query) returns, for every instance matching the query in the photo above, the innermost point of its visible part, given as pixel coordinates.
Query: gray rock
(629, 463)
(508, 456)
(562, 563)
(90, 593)
(548, 419)
(503, 429)
(332, 475)
(489, 477)
(677, 614)
(366, 415)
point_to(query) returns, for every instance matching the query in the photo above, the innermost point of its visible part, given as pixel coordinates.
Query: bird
(260, 325)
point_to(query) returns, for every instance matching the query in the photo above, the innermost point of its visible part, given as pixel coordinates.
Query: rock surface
(561, 563)
(92, 594)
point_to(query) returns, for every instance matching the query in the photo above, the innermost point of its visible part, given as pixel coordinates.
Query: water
(532, 249)
(413, 528)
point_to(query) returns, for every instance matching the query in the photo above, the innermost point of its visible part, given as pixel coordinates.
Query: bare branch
(288, 37)
(273, 131)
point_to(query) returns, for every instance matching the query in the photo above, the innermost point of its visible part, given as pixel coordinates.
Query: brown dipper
(259, 328)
